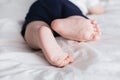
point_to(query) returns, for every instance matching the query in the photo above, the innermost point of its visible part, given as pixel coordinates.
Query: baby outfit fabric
(85, 5)
(48, 10)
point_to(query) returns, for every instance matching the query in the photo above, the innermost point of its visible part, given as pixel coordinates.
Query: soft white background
(95, 60)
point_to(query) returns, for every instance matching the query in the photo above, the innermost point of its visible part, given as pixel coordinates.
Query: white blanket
(94, 60)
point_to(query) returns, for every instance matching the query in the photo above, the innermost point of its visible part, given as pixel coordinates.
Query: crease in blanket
(83, 54)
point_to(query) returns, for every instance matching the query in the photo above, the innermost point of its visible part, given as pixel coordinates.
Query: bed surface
(94, 60)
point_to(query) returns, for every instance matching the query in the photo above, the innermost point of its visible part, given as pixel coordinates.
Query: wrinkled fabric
(94, 60)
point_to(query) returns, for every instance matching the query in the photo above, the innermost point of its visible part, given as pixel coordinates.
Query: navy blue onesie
(48, 10)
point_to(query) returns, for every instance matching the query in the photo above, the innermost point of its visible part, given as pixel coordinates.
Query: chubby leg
(98, 9)
(77, 28)
(39, 36)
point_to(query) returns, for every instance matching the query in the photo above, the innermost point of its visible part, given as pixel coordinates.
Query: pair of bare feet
(75, 28)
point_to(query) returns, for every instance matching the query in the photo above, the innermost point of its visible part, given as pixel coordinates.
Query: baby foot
(77, 28)
(52, 51)
(59, 59)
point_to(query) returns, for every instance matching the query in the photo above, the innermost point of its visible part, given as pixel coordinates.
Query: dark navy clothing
(48, 10)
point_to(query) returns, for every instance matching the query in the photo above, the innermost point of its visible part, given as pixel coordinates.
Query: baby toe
(96, 36)
(93, 22)
(98, 28)
(64, 63)
(70, 59)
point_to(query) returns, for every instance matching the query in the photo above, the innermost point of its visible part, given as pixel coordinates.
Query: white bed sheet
(95, 60)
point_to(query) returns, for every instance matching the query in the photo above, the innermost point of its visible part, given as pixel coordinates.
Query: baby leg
(77, 28)
(98, 9)
(39, 36)
(95, 7)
